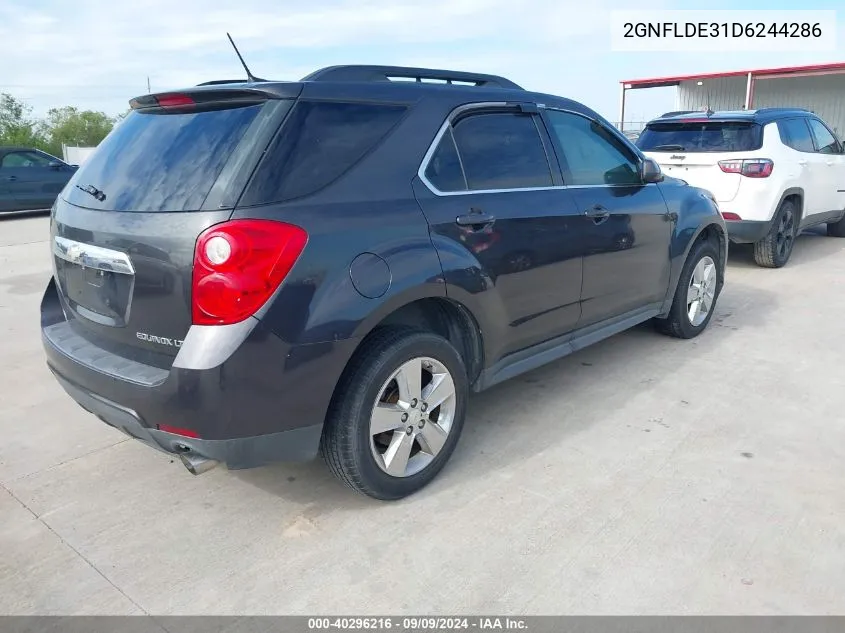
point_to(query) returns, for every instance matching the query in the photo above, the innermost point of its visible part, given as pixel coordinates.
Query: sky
(97, 54)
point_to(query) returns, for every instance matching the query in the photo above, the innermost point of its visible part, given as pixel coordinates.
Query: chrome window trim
(91, 256)
(447, 124)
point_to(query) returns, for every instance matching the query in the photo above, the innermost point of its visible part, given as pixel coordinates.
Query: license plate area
(96, 282)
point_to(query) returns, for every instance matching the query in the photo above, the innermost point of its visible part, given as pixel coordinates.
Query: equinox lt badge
(161, 340)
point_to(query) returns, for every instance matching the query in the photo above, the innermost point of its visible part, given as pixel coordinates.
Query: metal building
(820, 88)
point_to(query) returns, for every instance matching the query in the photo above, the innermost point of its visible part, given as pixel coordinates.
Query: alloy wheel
(412, 417)
(702, 291)
(785, 236)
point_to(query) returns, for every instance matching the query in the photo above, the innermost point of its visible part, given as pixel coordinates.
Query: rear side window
(161, 161)
(825, 141)
(318, 143)
(502, 151)
(444, 170)
(795, 134)
(701, 136)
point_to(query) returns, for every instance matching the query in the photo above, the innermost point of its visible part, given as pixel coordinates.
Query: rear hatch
(691, 149)
(124, 229)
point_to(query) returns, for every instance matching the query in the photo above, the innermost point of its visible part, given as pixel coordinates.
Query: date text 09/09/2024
(722, 30)
(416, 623)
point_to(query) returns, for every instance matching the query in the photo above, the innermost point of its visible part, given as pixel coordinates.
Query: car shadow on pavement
(812, 245)
(520, 419)
(525, 416)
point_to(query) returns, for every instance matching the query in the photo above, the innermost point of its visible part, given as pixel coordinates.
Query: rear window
(160, 161)
(318, 143)
(706, 136)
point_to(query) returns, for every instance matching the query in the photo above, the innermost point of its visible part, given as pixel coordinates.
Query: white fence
(76, 155)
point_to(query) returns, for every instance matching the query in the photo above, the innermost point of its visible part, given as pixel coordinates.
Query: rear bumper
(747, 231)
(297, 444)
(264, 402)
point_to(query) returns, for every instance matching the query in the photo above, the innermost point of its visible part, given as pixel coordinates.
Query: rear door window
(825, 141)
(701, 136)
(795, 134)
(502, 150)
(317, 144)
(161, 161)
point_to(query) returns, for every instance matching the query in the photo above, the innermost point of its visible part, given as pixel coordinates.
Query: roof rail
(678, 113)
(392, 73)
(222, 81)
(783, 109)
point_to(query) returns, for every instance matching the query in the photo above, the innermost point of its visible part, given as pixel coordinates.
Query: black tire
(345, 444)
(677, 323)
(836, 229)
(773, 251)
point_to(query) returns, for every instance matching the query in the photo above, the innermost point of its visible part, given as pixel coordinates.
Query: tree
(16, 125)
(71, 126)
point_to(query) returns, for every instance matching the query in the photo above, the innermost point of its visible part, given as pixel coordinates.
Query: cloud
(97, 50)
(98, 54)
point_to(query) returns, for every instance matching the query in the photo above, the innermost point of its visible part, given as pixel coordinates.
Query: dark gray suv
(253, 272)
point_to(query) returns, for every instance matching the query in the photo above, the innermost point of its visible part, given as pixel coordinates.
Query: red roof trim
(674, 81)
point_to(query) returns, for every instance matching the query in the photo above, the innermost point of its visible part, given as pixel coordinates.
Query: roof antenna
(708, 111)
(252, 78)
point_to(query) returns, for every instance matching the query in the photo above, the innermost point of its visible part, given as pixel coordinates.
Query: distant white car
(773, 172)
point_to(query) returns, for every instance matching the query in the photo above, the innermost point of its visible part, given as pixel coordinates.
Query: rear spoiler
(217, 94)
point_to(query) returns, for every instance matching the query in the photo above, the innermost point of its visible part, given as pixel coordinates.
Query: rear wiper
(670, 148)
(93, 191)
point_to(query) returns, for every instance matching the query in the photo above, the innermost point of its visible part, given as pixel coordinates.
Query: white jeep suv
(773, 172)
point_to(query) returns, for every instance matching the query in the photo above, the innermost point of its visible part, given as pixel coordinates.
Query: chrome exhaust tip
(197, 465)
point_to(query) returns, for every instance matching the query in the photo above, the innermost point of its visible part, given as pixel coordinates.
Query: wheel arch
(710, 229)
(796, 194)
(444, 316)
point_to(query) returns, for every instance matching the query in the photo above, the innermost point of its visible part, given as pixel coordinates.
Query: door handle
(476, 218)
(802, 162)
(829, 162)
(597, 213)
(12, 178)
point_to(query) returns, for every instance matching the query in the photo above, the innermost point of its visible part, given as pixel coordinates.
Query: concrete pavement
(643, 475)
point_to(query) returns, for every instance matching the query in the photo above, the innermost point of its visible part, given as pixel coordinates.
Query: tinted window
(444, 169)
(701, 136)
(593, 155)
(161, 162)
(825, 141)
(317, 144)
(25, 159)
(795, 134)
(502, 151)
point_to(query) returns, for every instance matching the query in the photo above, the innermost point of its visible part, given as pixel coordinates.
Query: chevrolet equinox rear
(253, 272)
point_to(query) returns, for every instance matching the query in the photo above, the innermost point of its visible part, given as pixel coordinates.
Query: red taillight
(750, 167)
(727, 215)
(174, 101)
(238, 265)
(178, 431)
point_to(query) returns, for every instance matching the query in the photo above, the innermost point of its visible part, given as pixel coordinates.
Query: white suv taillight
(750, 167)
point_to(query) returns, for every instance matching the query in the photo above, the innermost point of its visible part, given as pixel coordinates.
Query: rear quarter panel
(319, 300)
(369, 211)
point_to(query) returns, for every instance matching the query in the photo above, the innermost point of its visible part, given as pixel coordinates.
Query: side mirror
(650, 171)
(56, 166)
